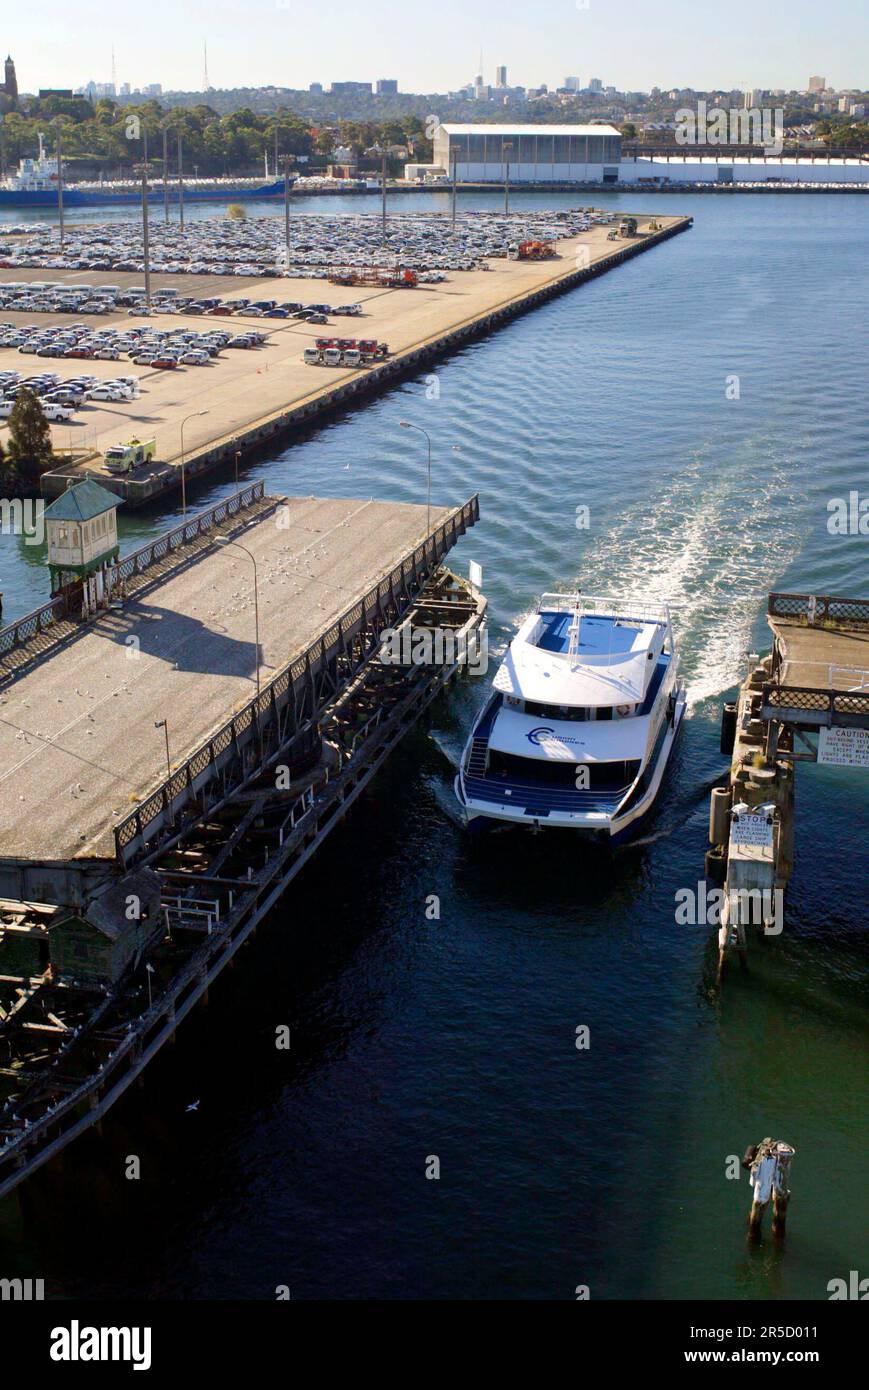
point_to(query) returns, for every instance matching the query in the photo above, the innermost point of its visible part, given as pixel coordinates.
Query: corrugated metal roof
(499, 129)
(82, 502)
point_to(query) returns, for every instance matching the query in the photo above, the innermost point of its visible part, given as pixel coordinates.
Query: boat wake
(712, 544)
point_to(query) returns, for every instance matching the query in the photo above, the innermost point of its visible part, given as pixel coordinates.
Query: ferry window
(528, 149)
(562, 149)
(544, 149)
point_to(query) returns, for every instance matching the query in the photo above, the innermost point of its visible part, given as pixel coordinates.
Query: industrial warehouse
(534, 153)
(592, 154)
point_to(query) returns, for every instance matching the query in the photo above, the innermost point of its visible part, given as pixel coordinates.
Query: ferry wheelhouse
(583, 716)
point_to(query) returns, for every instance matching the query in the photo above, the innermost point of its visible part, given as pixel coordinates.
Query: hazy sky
(631, 44)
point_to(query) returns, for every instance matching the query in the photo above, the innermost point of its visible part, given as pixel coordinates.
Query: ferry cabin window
(546, 772)
(572, 712)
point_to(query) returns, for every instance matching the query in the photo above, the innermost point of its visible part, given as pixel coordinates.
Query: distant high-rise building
(501, 77)
(386, 86)
(817, 84)
(316, 87)
(10, 83)
(595, 84)
(571, 84)
(351, 87)
(125, 89)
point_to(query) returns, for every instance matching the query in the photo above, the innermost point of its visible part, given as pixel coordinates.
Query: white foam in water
(714, 567)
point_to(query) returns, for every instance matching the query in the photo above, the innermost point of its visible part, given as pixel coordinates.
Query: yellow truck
(125, 458)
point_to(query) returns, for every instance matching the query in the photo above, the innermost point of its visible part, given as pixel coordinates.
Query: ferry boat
(35, 186)
(582, 719)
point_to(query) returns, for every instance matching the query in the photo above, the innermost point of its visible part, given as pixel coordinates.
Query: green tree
(29, 450)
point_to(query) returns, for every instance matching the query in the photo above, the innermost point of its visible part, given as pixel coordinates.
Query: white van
(312, 357)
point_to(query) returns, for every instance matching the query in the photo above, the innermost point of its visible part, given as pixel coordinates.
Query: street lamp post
(146, 246)
(180, 182)
(59, 130)
(455, 181)
(381, 150)
(224, 542)
(406, 425)
(192, 416)
(285, 160)
(165, 173)
(164, 725)
(508, 150)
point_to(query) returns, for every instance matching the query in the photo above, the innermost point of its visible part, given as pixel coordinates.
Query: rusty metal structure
(210, 850)
(806, 701)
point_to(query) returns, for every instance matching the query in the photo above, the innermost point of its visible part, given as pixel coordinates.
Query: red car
(79, 352)
(168, 363)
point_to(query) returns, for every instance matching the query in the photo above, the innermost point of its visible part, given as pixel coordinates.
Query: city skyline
(568, 39)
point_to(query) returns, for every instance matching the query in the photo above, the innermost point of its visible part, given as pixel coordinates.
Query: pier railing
(32, 624)
(189, 530)
(292, 698)
(820, 610)
(816, 708)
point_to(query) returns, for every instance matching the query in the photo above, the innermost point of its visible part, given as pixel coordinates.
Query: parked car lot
(423, 241)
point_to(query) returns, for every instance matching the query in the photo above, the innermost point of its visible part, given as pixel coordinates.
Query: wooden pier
(807, 701)
(119, 908)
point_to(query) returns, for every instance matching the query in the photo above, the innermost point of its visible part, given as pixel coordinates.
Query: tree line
(110, 135)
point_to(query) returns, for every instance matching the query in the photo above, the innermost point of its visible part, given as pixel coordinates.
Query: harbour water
(705, 402)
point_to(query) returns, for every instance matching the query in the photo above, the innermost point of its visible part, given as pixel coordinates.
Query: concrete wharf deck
(78, 743)
(252, 397)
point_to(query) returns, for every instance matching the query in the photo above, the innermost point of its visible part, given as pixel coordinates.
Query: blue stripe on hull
(478, 824)
(72, 198)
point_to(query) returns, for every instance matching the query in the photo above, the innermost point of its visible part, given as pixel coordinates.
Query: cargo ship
(35, 186)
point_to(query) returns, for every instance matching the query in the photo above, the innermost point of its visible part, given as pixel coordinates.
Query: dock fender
(728, 728)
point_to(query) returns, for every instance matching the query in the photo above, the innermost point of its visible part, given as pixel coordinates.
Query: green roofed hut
(81, 531)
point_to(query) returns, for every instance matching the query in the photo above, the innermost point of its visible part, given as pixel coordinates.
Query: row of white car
(61, 398)
(427, 242)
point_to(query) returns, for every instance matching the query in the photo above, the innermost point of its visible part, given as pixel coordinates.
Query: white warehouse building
(592, 154)
(535, 153)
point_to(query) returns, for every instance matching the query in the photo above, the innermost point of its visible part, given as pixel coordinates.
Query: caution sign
(749, 829)
(844, 747)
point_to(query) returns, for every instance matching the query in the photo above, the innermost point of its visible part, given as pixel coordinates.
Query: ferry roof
(613, 666)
